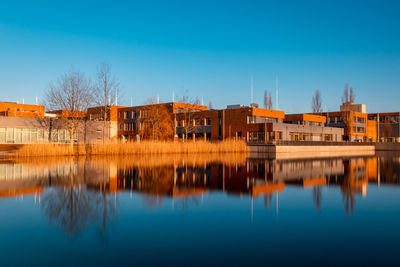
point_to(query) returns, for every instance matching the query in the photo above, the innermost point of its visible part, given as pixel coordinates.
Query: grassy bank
(143, 148)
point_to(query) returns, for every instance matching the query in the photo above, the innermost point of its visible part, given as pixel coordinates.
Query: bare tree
(269, 101)
(210, 105)
(345, 97)
(157, 123)
(317, 197)
(352, 97)
(316, 102)
(73, 94)
(106, 92)
(185, 97)
(266, 98)
(197, 101)
(151, 101)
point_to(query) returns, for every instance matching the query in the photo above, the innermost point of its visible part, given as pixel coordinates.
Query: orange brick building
(356, 125)
(233, 122)
(131, 119)
(67, 114)
(251, 124)
(388, 126)
(10, 109)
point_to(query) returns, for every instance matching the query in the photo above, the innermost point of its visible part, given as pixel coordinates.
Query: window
(33, 135)
(54, 136)
(258, 119)
(26, 136)
(10, 135)
(2, 135)
(41, 136)
(18, 136)
(62, 136)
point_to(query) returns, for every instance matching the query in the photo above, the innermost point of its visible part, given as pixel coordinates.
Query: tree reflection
(317, 197)
(349, 200)
(70, 207)
(267, 201)
(347, 189)
(74, 206)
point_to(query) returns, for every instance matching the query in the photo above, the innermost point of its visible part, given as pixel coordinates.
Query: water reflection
(75, 193)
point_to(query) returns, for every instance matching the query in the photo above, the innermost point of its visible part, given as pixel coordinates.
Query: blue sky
(208, 48)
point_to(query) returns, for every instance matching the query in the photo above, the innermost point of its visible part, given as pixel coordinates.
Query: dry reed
(143, 148)
(140, 161)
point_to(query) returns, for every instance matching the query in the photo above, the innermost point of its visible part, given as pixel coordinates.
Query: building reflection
(72, 193)
(75, 192)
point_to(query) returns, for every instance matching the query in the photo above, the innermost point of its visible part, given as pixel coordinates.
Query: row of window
(358, 120)
(358, 129)
(34, 135)
(198, 122)
(258, 119)
(260, 136)
(387, 119)
(128, 115)
(129, 126)
(16, 171)
(307, 123)
(335, 119)
(295, 136)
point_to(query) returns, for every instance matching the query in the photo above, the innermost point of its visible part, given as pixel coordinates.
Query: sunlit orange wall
(371, 129)
(22, 110)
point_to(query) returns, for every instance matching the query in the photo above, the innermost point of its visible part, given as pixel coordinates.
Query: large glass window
(41, 135)
(26, 136)
(10, 135)
(18, 136)
(67, 136)
(62, 136)
(2, 135)
(34, 136)
(54, 136)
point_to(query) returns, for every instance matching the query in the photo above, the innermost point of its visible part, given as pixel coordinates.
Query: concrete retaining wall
(387, 146)
(292, 152)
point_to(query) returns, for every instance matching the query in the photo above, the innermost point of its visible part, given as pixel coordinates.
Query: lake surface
(201, 210)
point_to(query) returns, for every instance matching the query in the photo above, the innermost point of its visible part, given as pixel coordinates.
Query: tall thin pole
(276, 95)
(251, 98)
(377, 124)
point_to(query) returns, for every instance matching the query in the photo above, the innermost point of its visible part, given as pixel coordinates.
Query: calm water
(200, 211)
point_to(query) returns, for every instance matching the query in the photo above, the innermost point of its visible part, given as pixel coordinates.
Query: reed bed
(135, 161)
(143, 148)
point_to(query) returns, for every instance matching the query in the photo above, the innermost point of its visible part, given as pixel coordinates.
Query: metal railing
(313, 143)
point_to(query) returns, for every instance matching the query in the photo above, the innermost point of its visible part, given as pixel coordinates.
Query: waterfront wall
(388, 146)
(311, 151)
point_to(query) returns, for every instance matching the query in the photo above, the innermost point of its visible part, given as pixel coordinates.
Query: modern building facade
(131, 120)
(387, 126)
(357, 127)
